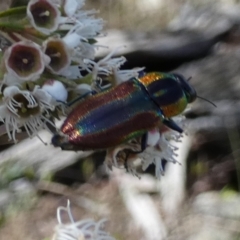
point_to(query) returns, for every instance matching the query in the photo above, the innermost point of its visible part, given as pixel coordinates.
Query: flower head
(21, 108)
(25, 60)
(81, 22)
(80, 48)
(58, 52)
(81, 230)
(105, 66)
(158, 147)
(43, 15)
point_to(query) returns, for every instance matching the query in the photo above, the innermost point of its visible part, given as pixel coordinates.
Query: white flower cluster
(158, 149)
(81, 230)
(49, 62)
(52, 45)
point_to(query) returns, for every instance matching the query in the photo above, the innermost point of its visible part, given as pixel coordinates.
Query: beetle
(125, 112)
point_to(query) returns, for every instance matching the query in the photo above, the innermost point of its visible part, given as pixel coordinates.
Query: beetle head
(190, 92)
(59, 140)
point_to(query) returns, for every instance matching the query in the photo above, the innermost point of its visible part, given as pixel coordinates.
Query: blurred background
(197, 200)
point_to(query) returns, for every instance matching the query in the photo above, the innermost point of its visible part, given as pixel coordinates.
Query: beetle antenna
(207, 101)
(189, 79)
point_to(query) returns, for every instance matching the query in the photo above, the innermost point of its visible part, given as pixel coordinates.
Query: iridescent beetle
(125, 112)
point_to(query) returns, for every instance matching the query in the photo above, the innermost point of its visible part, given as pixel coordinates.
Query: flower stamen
(46, 13)
(25, 60)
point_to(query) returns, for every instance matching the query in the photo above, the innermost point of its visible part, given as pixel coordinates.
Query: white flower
(56, 89)
(153, 137)
(25, 109)
(107, 65)
(72, 72)
(80, 50)
(88, 27)
(59, 53)
(66, 50)
(73, 40)
(43, 15)
(121, 76)
(155, 154)
(81, 230)
(158, 149)
(82, 29)
(81, 22)
(71, 6)
(25, 60)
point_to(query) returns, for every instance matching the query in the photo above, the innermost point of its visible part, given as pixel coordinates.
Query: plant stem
(9, 27)
(13, 11)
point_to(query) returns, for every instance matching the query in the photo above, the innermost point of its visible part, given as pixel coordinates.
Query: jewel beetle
(125, 112)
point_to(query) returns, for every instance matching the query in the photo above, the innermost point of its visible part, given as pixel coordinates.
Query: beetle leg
(126, 160)
(100, 89)
(80, 97)
(171, 124)
(143, 143)
(77, 99)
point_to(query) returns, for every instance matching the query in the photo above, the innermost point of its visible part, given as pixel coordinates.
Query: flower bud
(56, 89)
